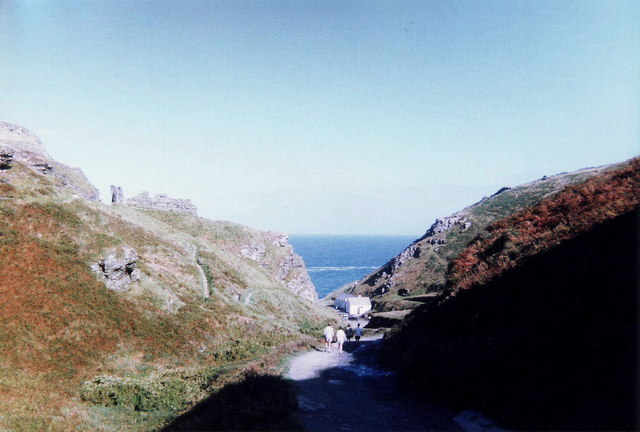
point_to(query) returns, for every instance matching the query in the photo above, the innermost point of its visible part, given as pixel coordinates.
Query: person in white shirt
(341, 336)
(328, 337)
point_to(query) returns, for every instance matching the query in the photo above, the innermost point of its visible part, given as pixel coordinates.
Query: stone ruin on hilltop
(159, 202)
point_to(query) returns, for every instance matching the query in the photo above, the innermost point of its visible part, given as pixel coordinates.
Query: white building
(352, 304)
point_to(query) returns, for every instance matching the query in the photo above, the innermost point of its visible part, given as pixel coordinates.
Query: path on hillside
(349, 392)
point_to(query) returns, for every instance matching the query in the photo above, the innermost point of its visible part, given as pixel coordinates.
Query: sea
(335, 260)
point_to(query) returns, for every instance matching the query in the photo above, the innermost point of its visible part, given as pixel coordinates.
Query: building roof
(359, 301)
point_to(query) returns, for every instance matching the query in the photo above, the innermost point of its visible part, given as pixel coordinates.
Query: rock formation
(446, 223)
(21, 145)
(291, 270)
(118, 274)
(117, 196)
(293, 274)
(159, 202)
(162, 202)
(6, 158)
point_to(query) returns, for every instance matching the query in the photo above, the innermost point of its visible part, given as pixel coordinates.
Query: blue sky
(342, 117)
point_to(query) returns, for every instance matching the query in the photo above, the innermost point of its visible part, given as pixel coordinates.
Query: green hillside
(418, 273)
(192, 310)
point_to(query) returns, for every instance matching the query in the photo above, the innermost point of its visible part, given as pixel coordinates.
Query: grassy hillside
(421, 269)
(75, 355)
(538, 325)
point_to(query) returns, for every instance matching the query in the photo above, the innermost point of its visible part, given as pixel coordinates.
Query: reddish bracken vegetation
(575, 210)
(539, 329)
(58, 322)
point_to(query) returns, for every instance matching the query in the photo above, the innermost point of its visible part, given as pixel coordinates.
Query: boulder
(118, 273)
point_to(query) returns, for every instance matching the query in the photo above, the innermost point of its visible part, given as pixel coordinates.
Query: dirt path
(348, 392)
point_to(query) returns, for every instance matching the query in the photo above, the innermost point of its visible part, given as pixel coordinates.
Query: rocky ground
(349, 392)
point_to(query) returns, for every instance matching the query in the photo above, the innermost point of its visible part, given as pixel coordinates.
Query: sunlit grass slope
(75, 355)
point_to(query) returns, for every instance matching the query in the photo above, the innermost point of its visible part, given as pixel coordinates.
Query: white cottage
(352, 304)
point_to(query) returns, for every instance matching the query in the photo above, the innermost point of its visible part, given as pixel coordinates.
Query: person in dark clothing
(358, 332)
(349, 332)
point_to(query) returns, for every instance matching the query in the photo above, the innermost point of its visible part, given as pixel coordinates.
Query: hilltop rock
(117, 196)
(444, 224)
(18, 144)
(162, 202)
(159, 202)
(26, 143)
(119, 273)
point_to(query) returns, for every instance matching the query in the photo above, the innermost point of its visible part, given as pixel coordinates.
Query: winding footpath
(348, 392)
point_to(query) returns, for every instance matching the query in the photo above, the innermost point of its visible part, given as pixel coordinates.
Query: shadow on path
(324, 392)
(350, 392)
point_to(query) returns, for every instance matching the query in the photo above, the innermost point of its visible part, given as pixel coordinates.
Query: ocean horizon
(336, 260)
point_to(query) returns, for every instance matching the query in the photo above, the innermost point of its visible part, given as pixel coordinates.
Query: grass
(77, 356)
(576, 209)
(427, 272)
(538, 326)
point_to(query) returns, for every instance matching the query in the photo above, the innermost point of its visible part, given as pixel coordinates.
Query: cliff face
(290, 268)
(418, 272)
(18, 144)
(120, 317)
(538, 323)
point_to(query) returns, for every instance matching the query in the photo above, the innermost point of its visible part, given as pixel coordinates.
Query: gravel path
(348, 392)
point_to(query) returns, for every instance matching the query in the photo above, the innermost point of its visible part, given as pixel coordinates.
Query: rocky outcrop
(117, 196)
(386, 278)
(290, 269)
(118, 274)
(160, 202)
(254, 251)
(6, 158)
(293, 273)
(446, 223)
(18, 144)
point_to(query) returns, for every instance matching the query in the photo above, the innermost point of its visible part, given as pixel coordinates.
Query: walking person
(358, 333)
(328, 337)
(349, 332)
(340, 337)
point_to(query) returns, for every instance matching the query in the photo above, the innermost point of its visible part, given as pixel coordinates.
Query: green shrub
(140, 394)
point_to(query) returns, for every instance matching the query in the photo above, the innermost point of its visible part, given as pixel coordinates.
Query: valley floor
(349, 392)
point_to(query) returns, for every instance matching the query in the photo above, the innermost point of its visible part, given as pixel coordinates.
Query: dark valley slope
(538, 323)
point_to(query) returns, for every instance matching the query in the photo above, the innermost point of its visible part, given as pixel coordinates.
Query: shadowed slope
(548, 339)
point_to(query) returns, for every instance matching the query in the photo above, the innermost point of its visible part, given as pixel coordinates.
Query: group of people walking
(341, 336)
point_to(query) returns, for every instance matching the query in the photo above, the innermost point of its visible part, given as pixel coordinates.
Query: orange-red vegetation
(59, 323)
(575, 210)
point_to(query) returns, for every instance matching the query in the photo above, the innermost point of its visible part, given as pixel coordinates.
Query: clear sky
(345, 117)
